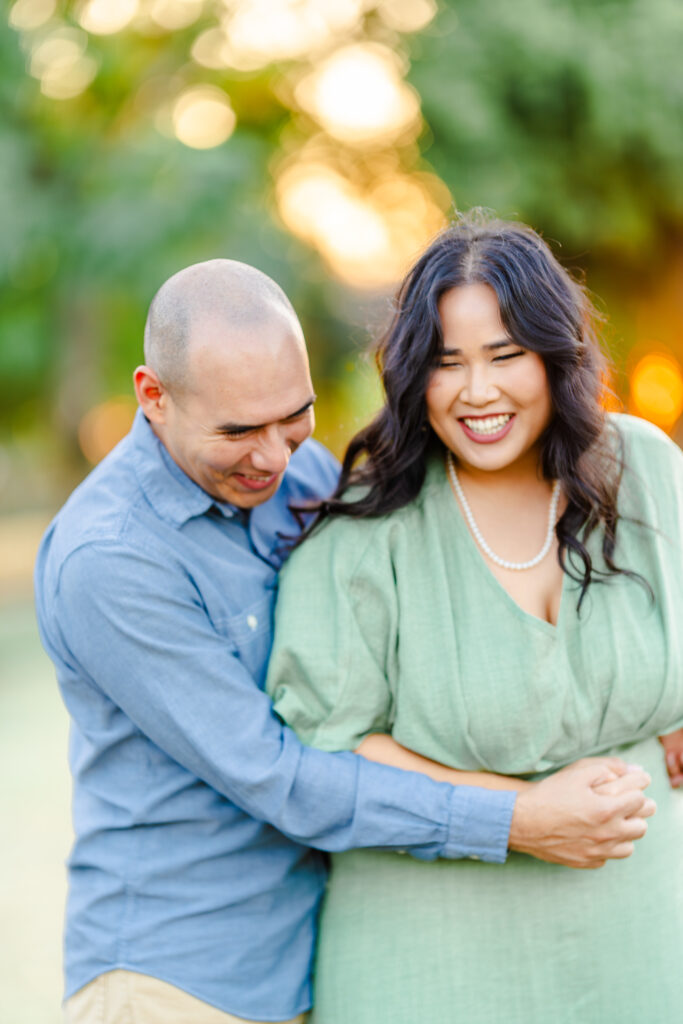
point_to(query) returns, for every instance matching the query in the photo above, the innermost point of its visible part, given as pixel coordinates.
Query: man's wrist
(480, 821)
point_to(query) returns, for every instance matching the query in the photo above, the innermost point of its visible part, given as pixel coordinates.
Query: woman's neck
(523, 475)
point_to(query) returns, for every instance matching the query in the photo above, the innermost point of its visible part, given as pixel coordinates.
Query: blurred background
(326, 142)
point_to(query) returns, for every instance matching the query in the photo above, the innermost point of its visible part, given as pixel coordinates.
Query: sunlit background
(326, 142)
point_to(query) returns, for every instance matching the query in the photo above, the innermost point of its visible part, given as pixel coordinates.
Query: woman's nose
(479, 387)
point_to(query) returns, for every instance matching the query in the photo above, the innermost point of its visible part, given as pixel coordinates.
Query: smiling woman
(461, 565)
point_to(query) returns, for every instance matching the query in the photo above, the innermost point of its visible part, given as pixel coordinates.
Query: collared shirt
(192, 801)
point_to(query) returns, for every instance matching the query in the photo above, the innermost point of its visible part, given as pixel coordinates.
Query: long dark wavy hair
(544, 310)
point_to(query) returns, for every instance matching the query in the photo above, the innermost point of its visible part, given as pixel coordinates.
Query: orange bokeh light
(657, 389)
(103, 426)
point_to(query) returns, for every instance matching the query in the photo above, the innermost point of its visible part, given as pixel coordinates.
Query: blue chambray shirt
(192, 801)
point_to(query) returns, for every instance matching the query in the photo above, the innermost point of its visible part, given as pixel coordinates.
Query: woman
(502, 593)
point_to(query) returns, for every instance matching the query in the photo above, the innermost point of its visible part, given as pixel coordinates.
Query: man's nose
(272, 452)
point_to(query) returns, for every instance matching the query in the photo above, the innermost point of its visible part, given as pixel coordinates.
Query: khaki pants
(123, 997)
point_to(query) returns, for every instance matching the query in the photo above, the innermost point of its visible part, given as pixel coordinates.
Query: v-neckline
(477, 557)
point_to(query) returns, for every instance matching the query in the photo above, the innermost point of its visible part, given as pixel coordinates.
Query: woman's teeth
(487, 424)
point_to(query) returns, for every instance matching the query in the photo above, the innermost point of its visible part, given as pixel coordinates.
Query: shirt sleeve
(135, 628)
(335, 639)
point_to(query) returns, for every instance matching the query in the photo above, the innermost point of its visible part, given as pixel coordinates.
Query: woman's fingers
(673, 753)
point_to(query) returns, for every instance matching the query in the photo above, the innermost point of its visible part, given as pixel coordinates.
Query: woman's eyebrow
(235, 428)
(492, 345)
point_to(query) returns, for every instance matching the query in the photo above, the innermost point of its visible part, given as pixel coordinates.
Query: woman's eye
(446, 364)
(509, 355)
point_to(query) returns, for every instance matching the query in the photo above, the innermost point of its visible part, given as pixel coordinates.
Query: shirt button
(252, 621)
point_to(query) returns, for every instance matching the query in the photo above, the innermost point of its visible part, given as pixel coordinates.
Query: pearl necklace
(503, 562)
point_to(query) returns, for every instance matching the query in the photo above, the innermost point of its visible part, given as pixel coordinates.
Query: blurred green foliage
(565, 113)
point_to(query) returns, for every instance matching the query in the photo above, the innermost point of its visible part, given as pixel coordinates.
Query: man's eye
(234, 435)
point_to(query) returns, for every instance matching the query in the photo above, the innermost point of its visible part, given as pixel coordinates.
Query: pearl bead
(503, 562)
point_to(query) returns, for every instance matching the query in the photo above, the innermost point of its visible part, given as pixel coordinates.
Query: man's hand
(673, 752)
(583, 815)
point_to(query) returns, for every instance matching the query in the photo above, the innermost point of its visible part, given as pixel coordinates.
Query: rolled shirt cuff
(479, 826)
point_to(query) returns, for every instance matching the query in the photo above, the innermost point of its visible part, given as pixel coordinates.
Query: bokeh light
(62, 65)
(175, 14)
(254, 33)
(103, 426)
(407, 15)
(367, 236)
(31, 14)
(358, 95)
(657, 389)
(105, 17)
(202, 117)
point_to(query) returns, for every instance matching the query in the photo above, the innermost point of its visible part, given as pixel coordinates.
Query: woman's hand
(673, 753)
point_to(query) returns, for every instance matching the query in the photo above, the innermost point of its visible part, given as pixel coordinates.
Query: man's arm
(581, 816)
(133, 626)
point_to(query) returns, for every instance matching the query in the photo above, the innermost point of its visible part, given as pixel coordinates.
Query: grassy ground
(34, 823)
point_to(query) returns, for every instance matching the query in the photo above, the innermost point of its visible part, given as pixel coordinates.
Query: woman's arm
(383, 748)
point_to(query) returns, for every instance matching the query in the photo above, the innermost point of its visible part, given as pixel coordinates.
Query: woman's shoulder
(648, 454)
(651, 488)
(349, 542)
(641, 438)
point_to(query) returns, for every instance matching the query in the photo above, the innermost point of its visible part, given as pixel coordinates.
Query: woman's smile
(487, 429)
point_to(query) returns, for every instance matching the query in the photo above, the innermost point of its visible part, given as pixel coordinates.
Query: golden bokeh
(62, 65)
(104, 425)
(359, 97)
(254, 33)
(657, 389)
(31, 14)
(368, 235)
(175, 14)
(202, 117)
(105, 17)
(407, 15)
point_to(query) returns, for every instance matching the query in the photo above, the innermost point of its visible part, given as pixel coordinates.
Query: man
(155, 586)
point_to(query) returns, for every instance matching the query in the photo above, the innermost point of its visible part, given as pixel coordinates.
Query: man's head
(226, 384)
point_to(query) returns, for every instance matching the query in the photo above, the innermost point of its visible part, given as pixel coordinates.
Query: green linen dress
(397, 625)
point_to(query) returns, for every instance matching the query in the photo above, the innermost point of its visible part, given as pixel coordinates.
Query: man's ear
(151, 394)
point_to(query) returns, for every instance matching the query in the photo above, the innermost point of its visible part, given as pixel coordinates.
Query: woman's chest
(483, 683)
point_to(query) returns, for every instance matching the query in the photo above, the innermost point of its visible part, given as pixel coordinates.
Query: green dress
(397, 625)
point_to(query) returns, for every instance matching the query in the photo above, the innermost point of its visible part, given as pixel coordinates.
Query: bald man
(192, 886)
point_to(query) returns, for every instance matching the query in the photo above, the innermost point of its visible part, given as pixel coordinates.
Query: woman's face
(488, 400)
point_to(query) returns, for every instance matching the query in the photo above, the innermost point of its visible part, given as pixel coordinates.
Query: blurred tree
(566, 113)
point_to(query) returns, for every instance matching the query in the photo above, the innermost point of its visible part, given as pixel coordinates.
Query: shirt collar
(170, 491)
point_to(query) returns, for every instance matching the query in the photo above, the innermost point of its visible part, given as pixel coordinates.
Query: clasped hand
(588, 813)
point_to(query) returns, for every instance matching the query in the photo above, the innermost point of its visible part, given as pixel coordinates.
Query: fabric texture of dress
(397, 625)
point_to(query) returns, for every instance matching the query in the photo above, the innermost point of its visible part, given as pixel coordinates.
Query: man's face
(248, 406)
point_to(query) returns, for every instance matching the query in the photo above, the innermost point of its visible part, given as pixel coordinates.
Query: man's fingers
(621, 851)
(634, 828)
(626, 805)
(634, 781)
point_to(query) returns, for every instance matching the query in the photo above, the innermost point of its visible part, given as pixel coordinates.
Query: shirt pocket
(250, 632)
